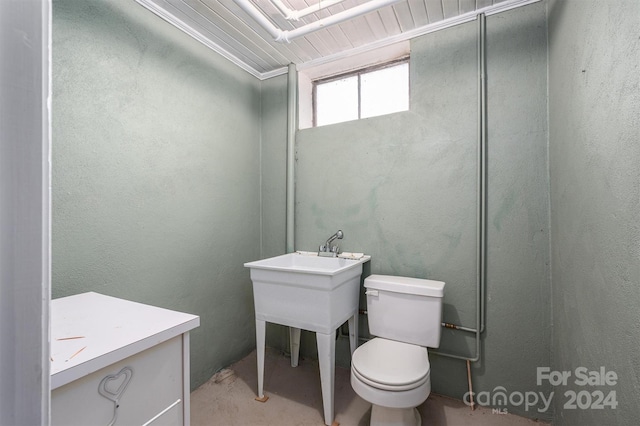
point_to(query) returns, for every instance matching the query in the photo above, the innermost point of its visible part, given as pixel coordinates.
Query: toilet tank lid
(405, 285)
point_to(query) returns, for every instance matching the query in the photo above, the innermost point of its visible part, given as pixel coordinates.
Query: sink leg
(261, 331)
(353, 333)
(294, 345)
(326, 359)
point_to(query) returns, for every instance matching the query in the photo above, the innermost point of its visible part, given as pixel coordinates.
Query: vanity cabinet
(116, 362)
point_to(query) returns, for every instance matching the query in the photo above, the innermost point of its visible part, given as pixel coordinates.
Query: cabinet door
(155, 384)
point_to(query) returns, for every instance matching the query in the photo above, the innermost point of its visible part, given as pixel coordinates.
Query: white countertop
(90, 331)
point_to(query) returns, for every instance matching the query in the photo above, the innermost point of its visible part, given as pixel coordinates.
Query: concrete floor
(227, 399)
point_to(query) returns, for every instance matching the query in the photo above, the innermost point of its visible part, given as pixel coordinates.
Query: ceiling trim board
(239, 50)
(175, 21)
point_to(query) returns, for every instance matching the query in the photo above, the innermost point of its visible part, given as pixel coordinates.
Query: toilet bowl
(394, 377)
(392, 371)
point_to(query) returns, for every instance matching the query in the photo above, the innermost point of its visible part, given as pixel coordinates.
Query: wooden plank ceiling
(226, 28)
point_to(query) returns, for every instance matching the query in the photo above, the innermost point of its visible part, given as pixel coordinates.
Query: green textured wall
(273, 157)
(273, 197)
(169, 173)
(594, 134)
(156, 172)
(402, 187)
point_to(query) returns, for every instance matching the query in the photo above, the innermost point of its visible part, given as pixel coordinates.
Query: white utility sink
(306, 291)
(308, 262)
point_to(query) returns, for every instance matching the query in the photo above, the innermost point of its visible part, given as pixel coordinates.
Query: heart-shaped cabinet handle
(112, 386)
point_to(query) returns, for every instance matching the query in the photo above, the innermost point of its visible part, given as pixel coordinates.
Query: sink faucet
(327, 250)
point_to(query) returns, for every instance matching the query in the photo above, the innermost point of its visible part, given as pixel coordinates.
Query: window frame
(357, 73)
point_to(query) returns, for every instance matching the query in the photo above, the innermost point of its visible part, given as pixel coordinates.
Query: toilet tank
(405, 309)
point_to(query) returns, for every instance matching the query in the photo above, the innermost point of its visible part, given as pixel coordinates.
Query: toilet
(392, 371)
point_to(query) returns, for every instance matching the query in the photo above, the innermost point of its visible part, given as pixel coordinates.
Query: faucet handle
(335, 249)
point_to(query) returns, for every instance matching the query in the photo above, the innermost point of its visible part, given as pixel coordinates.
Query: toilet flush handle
(372, 293)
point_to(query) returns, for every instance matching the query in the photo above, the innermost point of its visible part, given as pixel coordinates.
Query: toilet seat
(390, 365)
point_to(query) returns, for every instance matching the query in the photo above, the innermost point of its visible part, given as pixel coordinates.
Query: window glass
(337, 101)
(362, 94)
(384, 91)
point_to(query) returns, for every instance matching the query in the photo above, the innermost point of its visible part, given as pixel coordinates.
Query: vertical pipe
(473, 404)
(482, 160)
(292, 122)
(481, 218)
(481, 229)
(292, 109)
(482, 189)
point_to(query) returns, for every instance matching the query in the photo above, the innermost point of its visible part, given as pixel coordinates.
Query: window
(364, 93)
